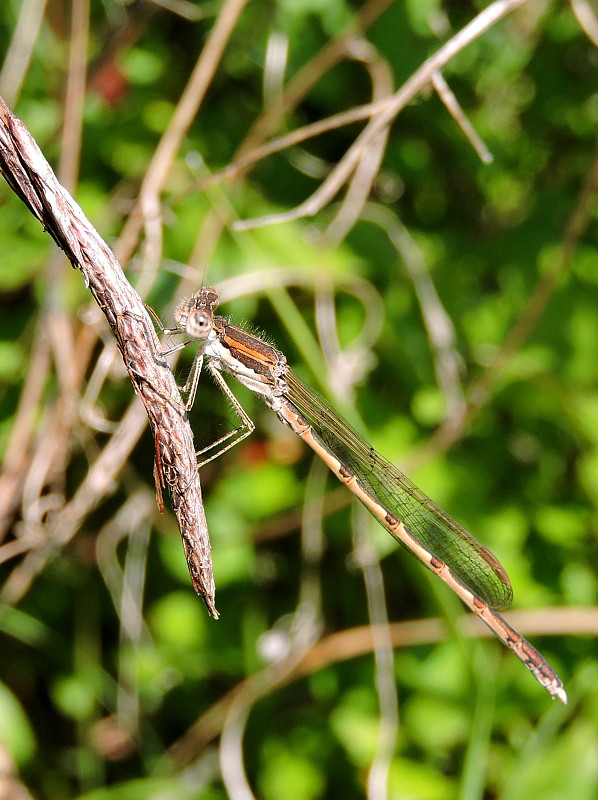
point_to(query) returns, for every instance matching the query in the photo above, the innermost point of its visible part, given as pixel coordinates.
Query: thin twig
(368, 167)
(186, 111)
(356, 642)
(272, 117)
(421, 78)
(388, 704)
(481, 391)
(451, 104)
(17, 457)
(21, 48)
(586, 16)
(438, 324)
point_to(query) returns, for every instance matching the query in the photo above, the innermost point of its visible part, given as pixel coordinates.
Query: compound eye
(203, 322)
(199, 325)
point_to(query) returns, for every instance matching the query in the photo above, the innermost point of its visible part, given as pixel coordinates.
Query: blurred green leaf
(74, 695)
(418, 781)
(561, 525)
(288, 775)
(357, 727)
(16, 731)
(178, 621)
(150, 789)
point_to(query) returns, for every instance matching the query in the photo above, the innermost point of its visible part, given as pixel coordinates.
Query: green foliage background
(88, 710)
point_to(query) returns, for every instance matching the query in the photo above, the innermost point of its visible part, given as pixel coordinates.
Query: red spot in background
(109, 83)
(254, 453)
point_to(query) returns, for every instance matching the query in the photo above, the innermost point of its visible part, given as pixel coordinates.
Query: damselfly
(414, 520)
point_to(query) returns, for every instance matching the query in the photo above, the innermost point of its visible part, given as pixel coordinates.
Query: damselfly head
(196, 313)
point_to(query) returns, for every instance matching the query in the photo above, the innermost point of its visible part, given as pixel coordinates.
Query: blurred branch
(68, 170)
(367, 170)
(283, 645)
(421, 78)
(274, 115)
(368, 562)
(438, 324)
(21, 48)
(31, 178)
(586, 16)
(452, 105)
(147, 208)
(481, 391)
(17, 458)
(11, 788)
(355, 642)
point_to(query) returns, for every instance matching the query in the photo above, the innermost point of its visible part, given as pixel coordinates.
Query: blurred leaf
(150, 789)
(16, 732)
(561, 525)
(74, 696)
(12, 360)
(418, 781)
(288, 775)
(356, 726)
(178, 621)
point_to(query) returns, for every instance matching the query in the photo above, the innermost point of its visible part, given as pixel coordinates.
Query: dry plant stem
(586, 16)
(30, 177)
(50, 459)
(68, 170)
(439, 326)
(481, 391)
(388, 705)
(186, 110)
(21, 48)
(17, 459)
(418, 81)
(356, 642)
(273, 116)
(369, 164)
(318, 66)
(451, 104)
(232, 768)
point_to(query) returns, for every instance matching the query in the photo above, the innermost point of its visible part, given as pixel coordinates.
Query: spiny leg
(247, 427)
